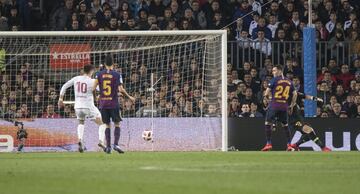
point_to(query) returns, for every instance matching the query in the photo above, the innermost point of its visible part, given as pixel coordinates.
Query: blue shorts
(276, 115)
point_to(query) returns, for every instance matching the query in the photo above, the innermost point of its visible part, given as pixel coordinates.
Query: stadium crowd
(261, 21)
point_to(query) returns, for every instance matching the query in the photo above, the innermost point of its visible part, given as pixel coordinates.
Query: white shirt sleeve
(67, 85)
(121, 79)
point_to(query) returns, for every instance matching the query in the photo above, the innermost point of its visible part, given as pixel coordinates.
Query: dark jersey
(281, 90)
(296, 119)
(109, 81)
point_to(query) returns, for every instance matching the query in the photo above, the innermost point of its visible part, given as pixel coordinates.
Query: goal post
(190, 101)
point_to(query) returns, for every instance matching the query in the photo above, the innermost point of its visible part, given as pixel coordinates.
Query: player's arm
(267, 93)
(313, 98)
(293, 99)
(67, 85)
(124, 92)
(96, 84)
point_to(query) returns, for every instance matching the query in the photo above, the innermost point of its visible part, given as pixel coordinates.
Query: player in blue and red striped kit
(279, 90)
(110, 83)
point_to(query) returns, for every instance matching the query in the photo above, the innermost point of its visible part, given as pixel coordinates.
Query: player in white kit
(84, 104)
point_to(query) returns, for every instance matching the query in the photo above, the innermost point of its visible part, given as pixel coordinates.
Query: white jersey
(83, 87)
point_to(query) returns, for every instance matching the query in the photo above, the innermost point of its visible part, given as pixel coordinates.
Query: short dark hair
(108, 60)
(88, 68)
(279, 67)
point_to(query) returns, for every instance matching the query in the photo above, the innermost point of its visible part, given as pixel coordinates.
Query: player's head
(109, 61)
(277, 70)
(89, 69)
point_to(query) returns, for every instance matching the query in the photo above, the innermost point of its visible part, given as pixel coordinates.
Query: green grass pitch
(181, 172)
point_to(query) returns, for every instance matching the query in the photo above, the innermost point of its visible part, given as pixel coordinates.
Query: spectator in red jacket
(328, 78)
(50, 112)
(345, 76)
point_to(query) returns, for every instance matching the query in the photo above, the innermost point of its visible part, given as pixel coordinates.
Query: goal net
(185, 69)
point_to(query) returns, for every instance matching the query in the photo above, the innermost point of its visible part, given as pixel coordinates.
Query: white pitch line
(170, 169)
(155, 168)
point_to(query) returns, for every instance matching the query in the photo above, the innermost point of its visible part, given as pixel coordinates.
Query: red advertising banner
(69, 56)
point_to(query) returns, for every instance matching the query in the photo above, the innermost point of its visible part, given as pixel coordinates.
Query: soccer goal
(178, 77)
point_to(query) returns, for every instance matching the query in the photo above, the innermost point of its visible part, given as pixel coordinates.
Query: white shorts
(90, 113)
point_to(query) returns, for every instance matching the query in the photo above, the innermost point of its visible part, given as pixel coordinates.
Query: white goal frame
(222, 33)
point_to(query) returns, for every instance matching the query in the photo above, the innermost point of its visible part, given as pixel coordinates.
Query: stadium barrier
(170, 134)
(278, 51)
(338, 134)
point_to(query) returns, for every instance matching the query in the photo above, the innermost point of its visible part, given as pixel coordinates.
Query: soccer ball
(147, 135)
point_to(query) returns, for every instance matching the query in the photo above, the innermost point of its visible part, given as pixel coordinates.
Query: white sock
(102, 133)
(80, 130)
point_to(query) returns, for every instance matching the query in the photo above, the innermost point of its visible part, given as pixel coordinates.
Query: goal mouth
(178, 77)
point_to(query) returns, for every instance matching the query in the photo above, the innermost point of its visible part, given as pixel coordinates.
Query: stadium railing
(278, 52)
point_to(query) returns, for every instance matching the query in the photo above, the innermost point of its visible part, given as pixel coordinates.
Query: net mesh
(186, 67)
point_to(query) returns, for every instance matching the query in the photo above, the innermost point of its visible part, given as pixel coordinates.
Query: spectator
(248, 98)
(273, 25)
(345, 76)
(295, 21)
(254, 110)
(243, 40)
(243, 10)
(329, 80)
(93, 25)
(218, 22)
(198, 14)
(262, 44)
(212, 111)
(324, 92)
(349, 106)
(188, 109)
(358, 112)
(50, 112)
(343, 115)
(340, 94)
(348, 23)
(324, 34)
(249, 82)
(147, 110)
(324, 115)
(59, 19)
(114, 4)
(245, 111)
(336, 110)
(337, 45)
(331, 24)
(156, 8)
(175, 12)
(188, 15)
(261, 26)
(4, 108)
(297, 84)
(234, 107)
(14, 19)
(253, 23)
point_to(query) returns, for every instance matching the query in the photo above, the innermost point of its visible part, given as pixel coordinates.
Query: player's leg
(116, 119)
(105, 116)
(311, 135)
(284, 120)
(269, 118)
(102, 128)
(298, 126)
(96, 115)
(80, 114)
